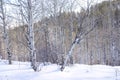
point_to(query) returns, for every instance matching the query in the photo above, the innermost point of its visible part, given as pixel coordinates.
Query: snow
(23, 71)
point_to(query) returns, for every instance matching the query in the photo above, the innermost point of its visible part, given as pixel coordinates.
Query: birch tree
(27, 13)
(5, 31)
(80, 35)
(31, 36)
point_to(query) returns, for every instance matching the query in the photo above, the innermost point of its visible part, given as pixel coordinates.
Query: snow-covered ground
(23, 71)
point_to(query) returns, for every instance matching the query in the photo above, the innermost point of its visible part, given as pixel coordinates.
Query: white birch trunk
(31, 37)
(69, 53)
(5, 34)
(76, 41)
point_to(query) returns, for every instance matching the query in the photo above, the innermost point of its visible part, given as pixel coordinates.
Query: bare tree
(31, 36)
(81, 34)
(5, 31)
(27, 13)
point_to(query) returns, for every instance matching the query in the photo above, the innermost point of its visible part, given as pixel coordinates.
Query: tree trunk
(69, 53)
(77, 40)
(31, 37)
(5, 34)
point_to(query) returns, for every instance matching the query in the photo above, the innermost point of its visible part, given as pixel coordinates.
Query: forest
(53, 32)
